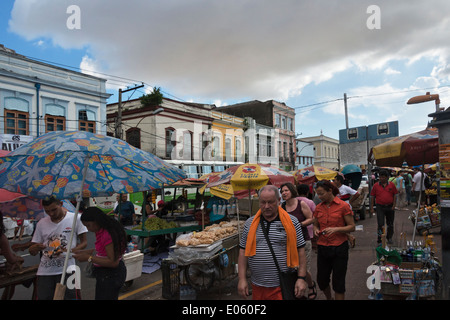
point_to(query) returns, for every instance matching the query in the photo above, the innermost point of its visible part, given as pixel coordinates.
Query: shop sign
(11, 142)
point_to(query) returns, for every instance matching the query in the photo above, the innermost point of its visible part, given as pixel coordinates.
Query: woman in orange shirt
(333, 219)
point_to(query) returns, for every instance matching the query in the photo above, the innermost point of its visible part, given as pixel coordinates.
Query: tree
(152, 99)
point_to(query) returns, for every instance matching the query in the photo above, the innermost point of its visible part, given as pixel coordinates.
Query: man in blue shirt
(125, 211)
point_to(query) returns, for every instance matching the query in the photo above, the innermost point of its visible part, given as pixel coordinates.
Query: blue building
(355, 143)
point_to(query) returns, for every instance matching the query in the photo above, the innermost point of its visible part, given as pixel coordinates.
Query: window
(283, 123)
(191, 172)
(237, 145)
(257, 145)
(216, 148)
(277, 120)
(352, 133)
(206, 170)
(228, 149)
(285, 150)
(269, 146)
(16, 122)
(170, 142)
(382, 129)
(289, 124)
(84, 124)
(54, 123)
(187, 145)
(133, 137)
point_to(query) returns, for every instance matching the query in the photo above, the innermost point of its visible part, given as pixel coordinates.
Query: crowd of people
(288, 215)
(330, 220)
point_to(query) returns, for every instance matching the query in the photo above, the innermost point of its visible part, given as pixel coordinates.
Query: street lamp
(425, 98)
(152, 113)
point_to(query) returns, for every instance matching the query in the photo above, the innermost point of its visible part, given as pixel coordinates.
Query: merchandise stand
(412, 273)
(193, 270)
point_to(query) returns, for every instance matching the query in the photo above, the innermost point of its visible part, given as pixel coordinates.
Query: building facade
(326, 151)
(195, 137)
(305, 154)
(275, 115)
(37, 97)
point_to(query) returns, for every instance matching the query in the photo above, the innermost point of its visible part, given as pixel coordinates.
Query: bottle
(130, 246)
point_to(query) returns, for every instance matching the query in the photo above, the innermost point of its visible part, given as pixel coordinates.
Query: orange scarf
(292, 253)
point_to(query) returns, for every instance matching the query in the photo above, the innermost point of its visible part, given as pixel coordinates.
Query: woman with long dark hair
(333, 219)
(111, 240)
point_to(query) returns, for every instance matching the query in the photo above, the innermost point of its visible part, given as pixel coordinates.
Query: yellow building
(227, 138)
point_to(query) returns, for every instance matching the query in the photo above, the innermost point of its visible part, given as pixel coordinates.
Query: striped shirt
(263, 269)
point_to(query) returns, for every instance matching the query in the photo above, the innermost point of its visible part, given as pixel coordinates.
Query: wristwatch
(90, 259)
(300, 277)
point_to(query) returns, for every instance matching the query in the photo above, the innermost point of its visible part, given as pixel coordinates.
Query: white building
(326, 151)
(37, 97)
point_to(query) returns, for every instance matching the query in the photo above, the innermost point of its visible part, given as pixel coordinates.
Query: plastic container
(133, 261)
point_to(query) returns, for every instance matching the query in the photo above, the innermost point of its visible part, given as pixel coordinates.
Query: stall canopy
(415, 149)
(311, 174)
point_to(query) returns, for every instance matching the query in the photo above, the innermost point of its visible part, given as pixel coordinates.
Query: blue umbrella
(54, 163)
(72, 164)
(350, 168)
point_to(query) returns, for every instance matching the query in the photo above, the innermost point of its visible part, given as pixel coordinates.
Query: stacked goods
(210, 234)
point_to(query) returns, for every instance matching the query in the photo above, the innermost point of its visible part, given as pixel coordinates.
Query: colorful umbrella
(312, 174)
(53, 165)
(72, 164)
(24, 207)
(416, 149)
(224, 191)
(20, 206)
(251, 176)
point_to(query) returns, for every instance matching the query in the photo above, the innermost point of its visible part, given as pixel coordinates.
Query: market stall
(198, 259)
(411, 272)
(428, 217)
(178, 216)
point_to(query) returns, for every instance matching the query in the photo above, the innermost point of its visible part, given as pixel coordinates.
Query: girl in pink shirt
(109, 268)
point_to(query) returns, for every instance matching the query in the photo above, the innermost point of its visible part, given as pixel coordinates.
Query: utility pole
(118, 128)
(346, 112)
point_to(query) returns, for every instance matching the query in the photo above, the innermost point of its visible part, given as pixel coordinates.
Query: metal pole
(346, 112)
(119, 117)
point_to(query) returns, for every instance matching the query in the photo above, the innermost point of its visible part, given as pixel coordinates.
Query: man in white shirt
(418, 187)
(51, 238)
(346, 193)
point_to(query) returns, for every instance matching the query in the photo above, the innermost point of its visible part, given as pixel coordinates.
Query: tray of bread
(213, 234)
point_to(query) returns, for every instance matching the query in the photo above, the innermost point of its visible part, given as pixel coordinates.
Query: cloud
(238, 49)
(390, 71)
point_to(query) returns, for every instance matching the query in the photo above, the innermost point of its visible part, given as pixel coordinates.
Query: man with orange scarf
(287, 240)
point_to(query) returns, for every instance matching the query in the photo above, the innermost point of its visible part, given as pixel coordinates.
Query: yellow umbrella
(224, 191)
(312, 174)
(249, 176)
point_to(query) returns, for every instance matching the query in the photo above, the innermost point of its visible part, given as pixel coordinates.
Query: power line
(324, 103)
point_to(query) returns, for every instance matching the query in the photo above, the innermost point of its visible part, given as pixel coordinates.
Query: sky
(305, 53)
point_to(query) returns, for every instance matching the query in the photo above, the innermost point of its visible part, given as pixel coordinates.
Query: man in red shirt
(384, 193)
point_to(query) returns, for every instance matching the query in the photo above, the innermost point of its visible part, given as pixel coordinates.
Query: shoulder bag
(287, 278)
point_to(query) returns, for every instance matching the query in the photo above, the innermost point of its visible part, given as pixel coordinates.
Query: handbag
(287, 278)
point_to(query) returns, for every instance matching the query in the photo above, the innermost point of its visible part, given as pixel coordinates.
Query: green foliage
(152, 99)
